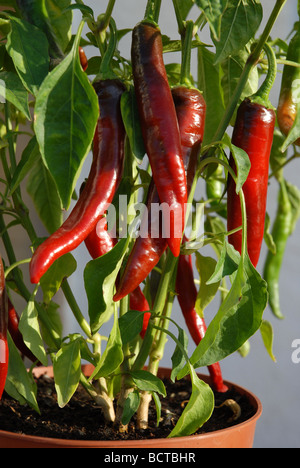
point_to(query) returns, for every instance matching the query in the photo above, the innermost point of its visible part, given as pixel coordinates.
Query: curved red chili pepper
(159, 127)
(17, 337)
(187, 295)
(101, 185)
(148, 249)
(98, 243)
(253, 132)
(4, 354)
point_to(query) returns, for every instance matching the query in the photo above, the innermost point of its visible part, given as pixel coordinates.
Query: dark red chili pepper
(13, 328)
(83, 59)
(187, 295)
(253, 132)
(98, 243)
(159, 127)
(148, 249)
(3, 330)
(290, 87)
(101, 185)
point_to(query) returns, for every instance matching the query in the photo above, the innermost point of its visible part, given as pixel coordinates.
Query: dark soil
(81, 419)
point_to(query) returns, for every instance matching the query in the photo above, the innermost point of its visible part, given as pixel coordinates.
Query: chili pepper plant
(174, 207)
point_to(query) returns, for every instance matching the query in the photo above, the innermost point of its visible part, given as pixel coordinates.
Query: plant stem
(68, 293)
(251, 62)
(152, 10)
(156, 355)
(180, 22)
(187, 37)
(107, 15)
(158, 308)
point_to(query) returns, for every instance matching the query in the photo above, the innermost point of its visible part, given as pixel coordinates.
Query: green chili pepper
(281, 232)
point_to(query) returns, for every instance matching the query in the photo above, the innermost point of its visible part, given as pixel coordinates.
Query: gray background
(276, 384)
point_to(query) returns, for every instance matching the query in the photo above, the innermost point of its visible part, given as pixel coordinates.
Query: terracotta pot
(239, 436)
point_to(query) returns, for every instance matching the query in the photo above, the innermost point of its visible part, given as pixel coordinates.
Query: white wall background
(277, 385)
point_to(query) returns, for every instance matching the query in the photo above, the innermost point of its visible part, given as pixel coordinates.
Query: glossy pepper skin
(187, 295)
(148, 249)
(159, 127)
(4, 354)
(290, 89)
(83, 59)
(103, 180)
(98, 243)
(253, 132)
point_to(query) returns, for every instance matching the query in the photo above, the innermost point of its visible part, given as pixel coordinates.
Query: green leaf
(267, 334)
(178, 357)
(243, 165)
(132, 123)
(197, 411)
(227, 264)
(99, 280)
(184, 7)
(54, 319)
(12, 90)
(67, 370)
(66, 114)
(205, 266)
(239, 23)
(232, 69)
(43, 192)
(19, 383)
(60, 20)
(147, 382)
(113, 353)
(30, 329)
(30, 155)
(28, 48)
(130, 325)
(209, 81)
(213, 10)
(51, 281)
(130, 407)
(239, 317)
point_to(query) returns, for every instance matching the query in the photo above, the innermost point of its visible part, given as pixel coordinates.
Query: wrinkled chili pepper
(187, 295)
(3, 330)
(13, 328)
(253, 132)
(281, 232)
(100, 242)
(148, 248)
(101, 185)
(159, 127)
(290, 89)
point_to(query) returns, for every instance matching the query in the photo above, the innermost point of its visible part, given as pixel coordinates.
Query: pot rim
(255, 401)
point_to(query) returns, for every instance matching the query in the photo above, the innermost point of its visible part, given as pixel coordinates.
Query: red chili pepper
(83, 59)
(98, 243)
(101, 185)
(253, 132)
(147, 250)
(187, 295)
(13, 328)
(159, 127)
(3, 330)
